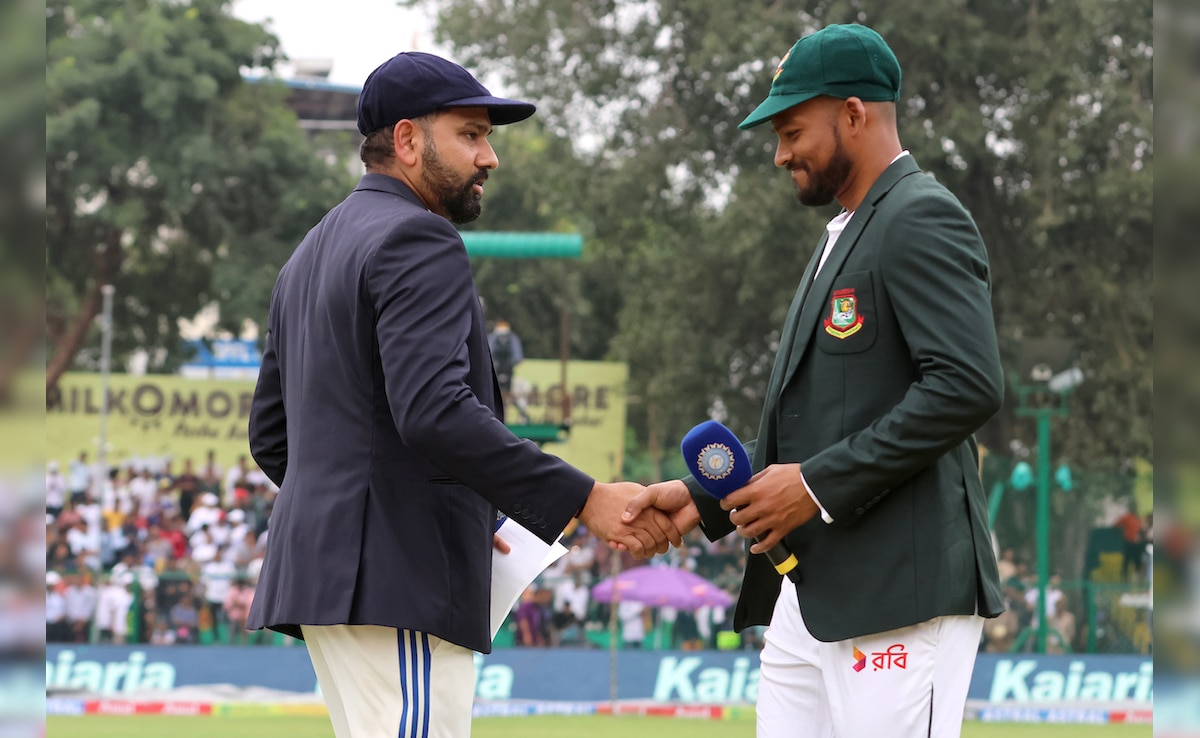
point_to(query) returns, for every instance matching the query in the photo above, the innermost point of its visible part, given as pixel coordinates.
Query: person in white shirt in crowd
(222, 530)
(143, 488)
(83, 548)
(80, 604)
(633, 623)
(93, 517)
(79, 478)
(238, 526)
(56, 489)
(58, 629)
(112, 607)
(203, 548)
(216, 578)
(204, 513)
(115, 495)
(140, 572)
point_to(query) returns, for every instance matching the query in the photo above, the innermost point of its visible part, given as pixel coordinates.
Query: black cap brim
(501, 111)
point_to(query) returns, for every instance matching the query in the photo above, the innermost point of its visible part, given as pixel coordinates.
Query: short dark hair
(377, 150)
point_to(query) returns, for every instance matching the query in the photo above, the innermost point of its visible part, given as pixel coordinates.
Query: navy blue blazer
(378, 415)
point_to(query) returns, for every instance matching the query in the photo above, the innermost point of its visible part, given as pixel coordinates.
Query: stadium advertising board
(703, 677)
(596, 443)
(150, 417)
(156, 417)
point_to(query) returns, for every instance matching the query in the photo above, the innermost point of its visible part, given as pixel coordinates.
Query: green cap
(841, 61)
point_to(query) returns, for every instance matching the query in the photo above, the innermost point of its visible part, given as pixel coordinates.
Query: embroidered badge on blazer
(844, 319)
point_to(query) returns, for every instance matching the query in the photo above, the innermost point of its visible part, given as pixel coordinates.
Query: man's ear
(854, 113)
(407, 142)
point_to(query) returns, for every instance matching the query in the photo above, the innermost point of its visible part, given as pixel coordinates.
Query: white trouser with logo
(898, 684)
(381, 682)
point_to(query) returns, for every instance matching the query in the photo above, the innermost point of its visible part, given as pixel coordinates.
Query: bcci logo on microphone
(716, 461)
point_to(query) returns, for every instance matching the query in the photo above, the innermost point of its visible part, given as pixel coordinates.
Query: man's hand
(671, 497)
(773, 503)
(644, 537)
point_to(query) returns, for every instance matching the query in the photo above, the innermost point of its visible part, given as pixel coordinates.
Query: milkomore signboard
(155, 417)
(149, 417)
(597, 392)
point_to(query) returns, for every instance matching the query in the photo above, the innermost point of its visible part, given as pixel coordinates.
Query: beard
(452, 192)
(824, 184)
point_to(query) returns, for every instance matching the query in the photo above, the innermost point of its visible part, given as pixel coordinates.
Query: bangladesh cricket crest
(716, 461)
(844, 319)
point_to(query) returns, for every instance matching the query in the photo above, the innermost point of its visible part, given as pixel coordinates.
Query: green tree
(1037, 115)
(22, 147)
(165, 167)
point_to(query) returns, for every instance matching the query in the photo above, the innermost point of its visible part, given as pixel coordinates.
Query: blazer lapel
(766, 427)
(814, 305)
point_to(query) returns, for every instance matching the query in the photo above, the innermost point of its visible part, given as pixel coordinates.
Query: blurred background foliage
(171, 177)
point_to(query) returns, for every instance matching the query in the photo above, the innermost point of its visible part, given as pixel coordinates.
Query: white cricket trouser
(381, 682)
(902, 683)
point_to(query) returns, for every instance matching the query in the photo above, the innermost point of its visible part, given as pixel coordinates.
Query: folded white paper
(514, 571)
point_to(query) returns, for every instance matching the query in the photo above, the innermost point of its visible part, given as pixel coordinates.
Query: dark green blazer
(886, 367)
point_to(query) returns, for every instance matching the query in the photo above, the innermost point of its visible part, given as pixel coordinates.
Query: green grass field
(546, 726)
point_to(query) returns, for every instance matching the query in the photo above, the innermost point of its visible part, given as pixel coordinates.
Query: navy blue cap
(413, 83)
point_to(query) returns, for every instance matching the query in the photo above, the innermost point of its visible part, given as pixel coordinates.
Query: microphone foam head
(716, 458)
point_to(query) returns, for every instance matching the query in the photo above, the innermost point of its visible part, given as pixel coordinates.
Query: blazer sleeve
(268, 420)
(419, 282)
(934, 268)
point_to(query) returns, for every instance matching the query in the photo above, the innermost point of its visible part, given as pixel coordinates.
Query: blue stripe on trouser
(428, 683)
(414, 684)
(401, 651)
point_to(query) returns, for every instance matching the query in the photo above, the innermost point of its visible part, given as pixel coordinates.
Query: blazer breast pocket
(849, 323)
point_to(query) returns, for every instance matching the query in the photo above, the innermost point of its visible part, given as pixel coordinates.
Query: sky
(356, 35)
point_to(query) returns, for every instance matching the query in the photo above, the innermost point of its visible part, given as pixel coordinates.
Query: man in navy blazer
(378, 414)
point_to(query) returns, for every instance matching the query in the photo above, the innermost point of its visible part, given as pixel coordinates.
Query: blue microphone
(720, 464)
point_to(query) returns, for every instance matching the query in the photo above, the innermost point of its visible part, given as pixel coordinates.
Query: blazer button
(859, 510)
(516, 507)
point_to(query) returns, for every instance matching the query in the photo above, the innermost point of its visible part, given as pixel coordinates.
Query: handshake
(642, 520)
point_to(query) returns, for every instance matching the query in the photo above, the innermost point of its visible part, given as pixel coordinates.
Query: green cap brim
(774, 105)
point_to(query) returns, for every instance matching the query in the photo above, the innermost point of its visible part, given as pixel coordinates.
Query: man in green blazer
(867, 469)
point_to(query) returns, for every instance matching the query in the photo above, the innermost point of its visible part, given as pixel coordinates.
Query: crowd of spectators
(148, 553)
(151, 553)
(559, 610)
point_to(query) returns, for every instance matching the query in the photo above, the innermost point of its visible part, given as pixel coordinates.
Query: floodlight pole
(106, 326)
(1043, 412)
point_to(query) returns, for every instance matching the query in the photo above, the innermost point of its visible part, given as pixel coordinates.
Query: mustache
(480, 177)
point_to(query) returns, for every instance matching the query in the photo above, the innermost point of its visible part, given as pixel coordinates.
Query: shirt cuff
(824, 514)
